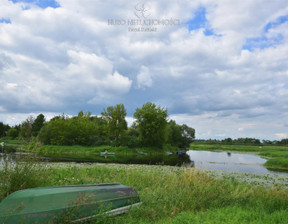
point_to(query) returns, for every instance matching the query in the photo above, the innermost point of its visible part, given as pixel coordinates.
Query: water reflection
(239, 162)
(151, 159)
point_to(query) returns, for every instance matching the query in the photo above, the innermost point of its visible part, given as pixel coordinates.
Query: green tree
(26, 127)
(174, 134)
(38, 124)
(4, 128)
(151, 121)
(188, 135)
(12, 133)
(115, 117)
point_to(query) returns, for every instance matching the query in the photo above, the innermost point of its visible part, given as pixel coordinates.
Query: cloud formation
(218, 67)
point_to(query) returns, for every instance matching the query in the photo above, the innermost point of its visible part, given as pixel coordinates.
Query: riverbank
(277, 155)
(179, 195)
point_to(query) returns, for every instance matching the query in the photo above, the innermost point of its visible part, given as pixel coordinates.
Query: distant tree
(13, 133)
(38, 124)
(228, 140)
(174, 134)
(26, 127)
(2, 131)
(115, 118)
(284, 141)
(152, 121)
(4, 128)
(267, 142)
(188, 135)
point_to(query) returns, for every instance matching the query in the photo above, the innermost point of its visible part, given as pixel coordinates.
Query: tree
(115, 117)
(38, 124)
(4, 128)
(174, 134)
(26, 127)
(151, 121)
(188, 135)
(12, 133)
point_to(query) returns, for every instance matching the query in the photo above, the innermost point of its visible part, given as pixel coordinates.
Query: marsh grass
(168, 192)
(21, 173)
(179, 195)
(82, 149)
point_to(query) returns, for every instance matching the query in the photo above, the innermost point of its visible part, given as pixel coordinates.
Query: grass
(234, 214)
(277, 155)
(239, 148)
(20, 175)
(178, 195)
(93, 149)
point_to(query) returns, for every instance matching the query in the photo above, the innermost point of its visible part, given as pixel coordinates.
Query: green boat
(77, 203)
(107, 154)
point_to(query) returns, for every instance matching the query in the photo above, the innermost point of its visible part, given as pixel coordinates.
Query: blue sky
(40, 3)
(264, 41)
(199, 21)
(222, 70)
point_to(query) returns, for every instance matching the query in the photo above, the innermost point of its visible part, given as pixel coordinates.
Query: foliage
(21, 173)
(150, 129)
(26, 128)
(243, 141)
(38, 124)
(152, 122)
(13, 133)
(80, 130)
(115, 117)
(4, 128)
(177, 195)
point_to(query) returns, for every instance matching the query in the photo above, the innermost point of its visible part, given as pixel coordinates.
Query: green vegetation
(152, 122)
(151, 129)
(176, 195)
(242, 141)
(20, 175)
(115, 118)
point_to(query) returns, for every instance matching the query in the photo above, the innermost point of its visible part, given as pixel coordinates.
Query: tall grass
(176, 195)
(167, 193)
(20, 173)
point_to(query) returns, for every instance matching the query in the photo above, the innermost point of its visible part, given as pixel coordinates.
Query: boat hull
(75, 203)
(107, 154)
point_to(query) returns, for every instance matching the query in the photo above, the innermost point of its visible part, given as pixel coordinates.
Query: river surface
(230, 161)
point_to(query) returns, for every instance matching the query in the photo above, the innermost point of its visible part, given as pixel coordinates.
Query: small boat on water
(80, 202)
(142, 153)
(107, 153)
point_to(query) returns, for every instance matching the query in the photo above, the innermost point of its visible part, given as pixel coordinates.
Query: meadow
(169, 194)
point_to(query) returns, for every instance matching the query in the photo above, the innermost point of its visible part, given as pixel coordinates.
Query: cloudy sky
(220, 67)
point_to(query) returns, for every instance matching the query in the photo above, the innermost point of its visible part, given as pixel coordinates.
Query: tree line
(243, 141)
(150, 129)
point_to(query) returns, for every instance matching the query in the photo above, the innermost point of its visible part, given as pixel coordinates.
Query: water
(150, 159)
(239, 162)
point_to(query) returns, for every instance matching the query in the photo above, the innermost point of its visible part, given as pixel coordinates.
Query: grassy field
(169, 194)
(277, 155)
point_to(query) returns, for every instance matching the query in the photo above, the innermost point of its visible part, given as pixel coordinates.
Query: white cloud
(281, 135)
(69, 59)
(144, 78)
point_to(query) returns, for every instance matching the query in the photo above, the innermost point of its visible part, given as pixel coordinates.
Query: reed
(177, 195)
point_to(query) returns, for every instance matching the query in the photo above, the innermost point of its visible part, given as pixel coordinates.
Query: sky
(220, 67)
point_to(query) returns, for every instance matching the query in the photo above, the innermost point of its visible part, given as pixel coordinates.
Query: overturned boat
(76, 203)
